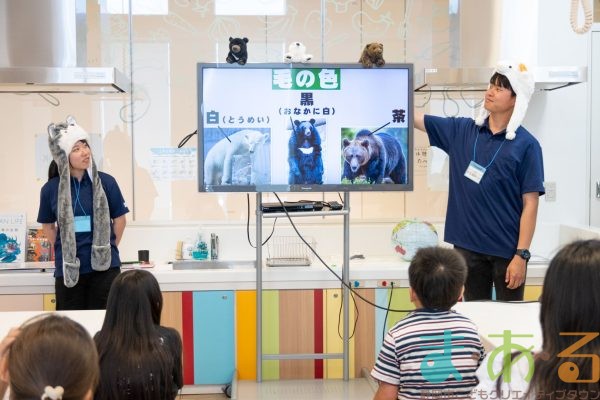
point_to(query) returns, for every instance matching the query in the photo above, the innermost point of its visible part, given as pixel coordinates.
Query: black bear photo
(304, 154)
(373, 158)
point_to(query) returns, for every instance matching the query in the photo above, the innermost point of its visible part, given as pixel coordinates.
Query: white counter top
(520, 319)
(367, 273)
(91, 320)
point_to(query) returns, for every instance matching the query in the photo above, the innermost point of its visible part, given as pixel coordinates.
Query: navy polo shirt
(48, 214)
(485, 217)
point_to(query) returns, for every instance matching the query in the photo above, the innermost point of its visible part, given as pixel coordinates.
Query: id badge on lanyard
(83, 223)
(475, 172)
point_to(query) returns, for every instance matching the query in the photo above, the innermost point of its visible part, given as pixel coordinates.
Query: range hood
(62, 80)
(43, 49)
(477, 79)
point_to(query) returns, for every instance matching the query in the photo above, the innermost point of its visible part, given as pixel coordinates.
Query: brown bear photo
(373, 158)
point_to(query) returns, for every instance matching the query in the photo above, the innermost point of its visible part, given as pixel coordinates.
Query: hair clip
(53, 393)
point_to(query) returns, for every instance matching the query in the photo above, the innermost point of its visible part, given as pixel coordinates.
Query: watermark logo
(507, 360)
(569, 371)
(437, 367)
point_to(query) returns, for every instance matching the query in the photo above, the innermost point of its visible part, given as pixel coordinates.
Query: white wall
(559, 119)
(373, 240)
(519, 31)
(538, 33)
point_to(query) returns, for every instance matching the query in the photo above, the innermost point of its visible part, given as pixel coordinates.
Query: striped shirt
(431, 354)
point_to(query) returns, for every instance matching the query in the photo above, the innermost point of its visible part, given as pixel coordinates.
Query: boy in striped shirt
(433, 352)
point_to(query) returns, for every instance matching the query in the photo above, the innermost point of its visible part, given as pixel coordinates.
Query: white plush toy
(297, 53)
(522, 83)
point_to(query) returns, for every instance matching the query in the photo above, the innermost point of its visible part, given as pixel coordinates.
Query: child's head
(437, 276)
(570, 296)
(52, 355)
(130, 339)
(135, 294)
(569, 304)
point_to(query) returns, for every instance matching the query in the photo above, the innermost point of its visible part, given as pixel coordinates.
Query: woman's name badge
(83, 223)
(475, 172)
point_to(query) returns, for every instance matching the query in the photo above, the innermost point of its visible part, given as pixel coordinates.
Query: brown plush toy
(372, 55)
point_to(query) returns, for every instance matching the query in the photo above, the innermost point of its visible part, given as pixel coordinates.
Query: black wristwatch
(524, 254)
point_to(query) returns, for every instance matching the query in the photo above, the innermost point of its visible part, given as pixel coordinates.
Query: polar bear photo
(220, 163)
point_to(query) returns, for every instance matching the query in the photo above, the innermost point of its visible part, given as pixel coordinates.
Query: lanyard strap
(495, 154)
(77, 201)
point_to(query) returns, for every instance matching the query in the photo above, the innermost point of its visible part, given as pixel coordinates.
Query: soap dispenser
(201, 249)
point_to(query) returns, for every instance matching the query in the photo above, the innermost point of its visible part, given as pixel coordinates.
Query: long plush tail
(101, 251)
(66, 220)
(517, 116)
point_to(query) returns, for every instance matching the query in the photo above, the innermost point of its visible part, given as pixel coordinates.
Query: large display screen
(305, 127)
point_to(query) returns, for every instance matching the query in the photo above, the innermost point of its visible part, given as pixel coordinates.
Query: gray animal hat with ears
(61, 138)
(522, 83)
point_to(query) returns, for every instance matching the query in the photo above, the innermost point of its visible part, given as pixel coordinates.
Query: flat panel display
(305, 127)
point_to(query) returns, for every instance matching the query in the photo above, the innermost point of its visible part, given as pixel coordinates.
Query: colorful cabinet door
(214, 344)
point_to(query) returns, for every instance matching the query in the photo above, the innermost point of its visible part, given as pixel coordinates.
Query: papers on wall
(438, 166)
(171, 163)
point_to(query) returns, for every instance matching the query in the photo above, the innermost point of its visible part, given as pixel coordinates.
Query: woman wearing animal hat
(496, 178)
(82, 211)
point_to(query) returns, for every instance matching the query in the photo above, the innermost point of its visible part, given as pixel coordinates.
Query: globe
(408, 236)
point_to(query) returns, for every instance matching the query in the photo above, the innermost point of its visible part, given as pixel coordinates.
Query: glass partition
(158, 45)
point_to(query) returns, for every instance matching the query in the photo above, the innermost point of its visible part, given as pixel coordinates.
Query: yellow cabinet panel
(333, 326)
(49, 302)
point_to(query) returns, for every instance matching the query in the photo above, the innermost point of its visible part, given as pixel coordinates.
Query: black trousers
(90, 293)
(486, 271)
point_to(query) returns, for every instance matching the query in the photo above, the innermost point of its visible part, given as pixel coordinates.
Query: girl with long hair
(569, 363)
(139, 358)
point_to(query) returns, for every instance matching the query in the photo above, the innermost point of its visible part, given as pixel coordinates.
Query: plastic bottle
(188, 249)
(200, 251)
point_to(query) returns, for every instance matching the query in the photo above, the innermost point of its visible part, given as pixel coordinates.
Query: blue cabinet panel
(214, 344)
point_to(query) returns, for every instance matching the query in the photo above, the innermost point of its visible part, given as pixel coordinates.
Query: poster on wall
(13, 232)
(39, 247)
(321, 127)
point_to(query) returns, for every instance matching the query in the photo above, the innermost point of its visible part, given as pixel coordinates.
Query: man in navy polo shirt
(496, 178)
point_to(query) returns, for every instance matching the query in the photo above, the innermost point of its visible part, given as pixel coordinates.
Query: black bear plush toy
(238, 51)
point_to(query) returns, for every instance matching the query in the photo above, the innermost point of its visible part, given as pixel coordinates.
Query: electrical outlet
(388, 283)
(396, 284)
(550, 188)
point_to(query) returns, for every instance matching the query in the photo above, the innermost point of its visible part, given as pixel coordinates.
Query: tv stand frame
(345, 355)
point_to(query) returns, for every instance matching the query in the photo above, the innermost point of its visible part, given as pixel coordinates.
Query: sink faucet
(214, 246)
